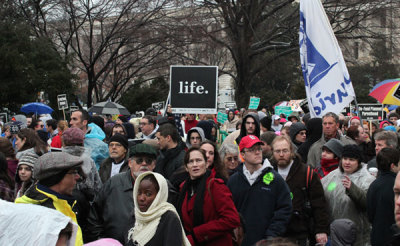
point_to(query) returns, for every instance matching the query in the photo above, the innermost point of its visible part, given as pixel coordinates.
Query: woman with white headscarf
(157, 221)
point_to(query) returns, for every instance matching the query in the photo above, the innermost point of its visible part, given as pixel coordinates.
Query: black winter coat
(169, 232)
(380, 207)
(266, 208)
(170, 160)
(112, 211)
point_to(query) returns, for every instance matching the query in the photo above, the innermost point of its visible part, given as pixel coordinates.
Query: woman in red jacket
(205, 204)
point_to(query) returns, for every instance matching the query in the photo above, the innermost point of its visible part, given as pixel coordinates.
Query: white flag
(327, 81)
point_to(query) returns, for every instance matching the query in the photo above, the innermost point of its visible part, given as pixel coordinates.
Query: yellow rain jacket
(35, 195)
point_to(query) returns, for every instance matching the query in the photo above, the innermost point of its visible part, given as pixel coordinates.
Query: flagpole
(166, 103)
(358, 110)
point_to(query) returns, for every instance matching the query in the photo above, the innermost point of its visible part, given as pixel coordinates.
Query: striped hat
(29, 158)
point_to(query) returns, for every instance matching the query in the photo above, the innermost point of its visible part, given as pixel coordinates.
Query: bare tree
(257, 33)
(110, 43)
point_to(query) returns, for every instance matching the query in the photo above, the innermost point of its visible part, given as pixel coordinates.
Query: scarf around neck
(147, 222)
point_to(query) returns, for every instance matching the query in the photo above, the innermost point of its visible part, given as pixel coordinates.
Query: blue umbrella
(37, 108)
(393, 107)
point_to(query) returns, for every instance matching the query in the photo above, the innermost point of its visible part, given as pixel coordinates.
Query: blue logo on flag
(316, 66)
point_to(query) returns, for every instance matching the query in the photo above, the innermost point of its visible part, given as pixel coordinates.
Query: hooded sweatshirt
(199, 131)
(243, 131)
(294, 130)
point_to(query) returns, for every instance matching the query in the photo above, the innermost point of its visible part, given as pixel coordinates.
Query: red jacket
(220, 215)
(56, 141)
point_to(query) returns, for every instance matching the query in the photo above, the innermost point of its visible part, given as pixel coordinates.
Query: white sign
(62, 101)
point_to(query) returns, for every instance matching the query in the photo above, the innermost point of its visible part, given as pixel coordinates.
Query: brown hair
(217, 162)
(32, 140)
(6, 148)
(187, 155)
(282, 138)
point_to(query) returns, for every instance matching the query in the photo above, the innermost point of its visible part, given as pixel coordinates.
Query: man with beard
(307, 194)
(111, 214)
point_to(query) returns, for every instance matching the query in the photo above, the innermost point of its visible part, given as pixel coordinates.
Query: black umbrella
(109, 108)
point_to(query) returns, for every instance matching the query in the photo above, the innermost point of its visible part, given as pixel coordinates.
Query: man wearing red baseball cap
(260, 194)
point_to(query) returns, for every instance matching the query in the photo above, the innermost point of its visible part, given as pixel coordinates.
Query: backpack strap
(310, 174)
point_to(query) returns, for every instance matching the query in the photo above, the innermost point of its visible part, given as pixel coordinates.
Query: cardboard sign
(193, 89)
(62, 101)
(287, 110)
(254, 102)
(222, 117)
(371, 111)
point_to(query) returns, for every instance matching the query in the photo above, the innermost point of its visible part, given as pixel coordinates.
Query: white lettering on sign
(186, 88)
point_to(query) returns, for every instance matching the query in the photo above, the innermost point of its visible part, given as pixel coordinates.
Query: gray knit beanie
(29, 158)
(335, 146)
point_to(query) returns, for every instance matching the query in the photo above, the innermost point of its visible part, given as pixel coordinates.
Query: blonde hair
(62, 125)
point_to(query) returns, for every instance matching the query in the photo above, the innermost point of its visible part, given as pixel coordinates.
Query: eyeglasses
(140, 160)
(284, 151)
(230, 158)
(254, 149)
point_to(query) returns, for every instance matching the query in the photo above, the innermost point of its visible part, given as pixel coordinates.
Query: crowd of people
(256, 179)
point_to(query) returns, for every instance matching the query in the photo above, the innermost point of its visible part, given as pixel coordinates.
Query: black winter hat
(120, 139)
(296, 128)
(352, 151)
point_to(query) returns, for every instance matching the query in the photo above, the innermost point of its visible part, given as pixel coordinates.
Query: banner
(327, 81)
(287, 110)
(193, 89)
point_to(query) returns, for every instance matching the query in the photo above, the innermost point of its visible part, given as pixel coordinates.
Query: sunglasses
(147, 160)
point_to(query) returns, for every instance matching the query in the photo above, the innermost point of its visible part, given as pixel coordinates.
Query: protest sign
(254, 102)
(287, 110)
(62, 101)
(371, 111)
(193, 89)
(158, 105)
(222, 117)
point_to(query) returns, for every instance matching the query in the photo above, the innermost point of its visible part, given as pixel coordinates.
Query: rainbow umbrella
(387, 92)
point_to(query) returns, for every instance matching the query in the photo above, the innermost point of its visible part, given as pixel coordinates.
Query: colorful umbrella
(37, 108)
(387, 92)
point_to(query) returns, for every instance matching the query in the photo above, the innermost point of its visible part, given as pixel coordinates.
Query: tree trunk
(91, 84)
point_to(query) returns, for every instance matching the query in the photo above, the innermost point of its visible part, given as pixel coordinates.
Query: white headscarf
(147, 222)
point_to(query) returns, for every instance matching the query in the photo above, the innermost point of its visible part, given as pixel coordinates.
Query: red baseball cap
(248, 142)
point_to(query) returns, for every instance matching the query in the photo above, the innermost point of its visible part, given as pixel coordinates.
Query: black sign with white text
(194, 89)
(371, 111)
